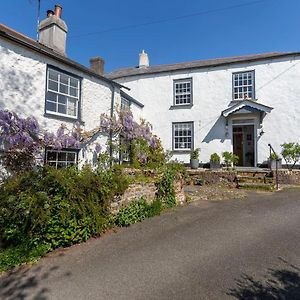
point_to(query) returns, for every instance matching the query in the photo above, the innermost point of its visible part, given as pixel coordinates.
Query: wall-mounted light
(261, 132)
(226, 130)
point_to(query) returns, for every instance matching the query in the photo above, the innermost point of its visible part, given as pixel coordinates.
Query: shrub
(215, 158)
(291, 153)
(274, 156)
(56, 207)
(230, 158)
(165, 187)
(195, 153)
(137, 211)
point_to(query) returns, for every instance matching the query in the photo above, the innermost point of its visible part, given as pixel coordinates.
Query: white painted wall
(22, 89)
(277, 85)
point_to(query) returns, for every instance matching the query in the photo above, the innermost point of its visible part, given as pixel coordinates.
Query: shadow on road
(282, 283)
(24, 283)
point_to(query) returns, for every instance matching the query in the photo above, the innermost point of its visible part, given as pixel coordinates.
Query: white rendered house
(236, 104)
(38, 79)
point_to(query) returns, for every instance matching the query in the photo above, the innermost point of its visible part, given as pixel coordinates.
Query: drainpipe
(112, 104)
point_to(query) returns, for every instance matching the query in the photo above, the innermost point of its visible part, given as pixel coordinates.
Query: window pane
(71, 157)
(62, 99)
(53, 85)
(72, 107)
(74, 82)
(64, 79)
(51, 155)
(50, 106)
(62, 109)
(53, 74)
(63, 88)
(51, 96)
(62, 156)
(73, 92)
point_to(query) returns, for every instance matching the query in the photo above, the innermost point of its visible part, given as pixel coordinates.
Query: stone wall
(212, 176)
(148, 191)
(288, 177)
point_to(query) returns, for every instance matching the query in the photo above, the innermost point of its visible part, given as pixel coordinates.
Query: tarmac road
(232, 249)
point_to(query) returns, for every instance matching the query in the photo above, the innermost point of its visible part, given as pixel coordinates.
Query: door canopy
(247, 106)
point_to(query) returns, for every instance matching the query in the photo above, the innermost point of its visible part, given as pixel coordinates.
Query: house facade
(38, 79)
(236, 104)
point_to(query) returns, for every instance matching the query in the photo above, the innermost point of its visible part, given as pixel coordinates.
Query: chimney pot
(97, 65)
(50, 13)
(57, 10)
(144, 60)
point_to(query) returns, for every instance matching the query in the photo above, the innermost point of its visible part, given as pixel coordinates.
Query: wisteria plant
(23, 140)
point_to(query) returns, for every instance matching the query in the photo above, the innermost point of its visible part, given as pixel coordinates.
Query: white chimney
(53, 31)
(144, 60)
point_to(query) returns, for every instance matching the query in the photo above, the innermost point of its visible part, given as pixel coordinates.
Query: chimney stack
(53, 31)
(144, 60)
(97, 65)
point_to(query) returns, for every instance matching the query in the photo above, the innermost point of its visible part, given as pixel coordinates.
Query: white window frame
(125, 104)
(184, 93)
(183, 126)
(67, 95)
(65, 161)
(241, 86)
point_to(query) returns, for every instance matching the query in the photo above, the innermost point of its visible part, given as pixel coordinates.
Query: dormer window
(243, 85)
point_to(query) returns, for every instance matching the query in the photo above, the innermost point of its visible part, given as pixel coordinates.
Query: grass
(14, 256)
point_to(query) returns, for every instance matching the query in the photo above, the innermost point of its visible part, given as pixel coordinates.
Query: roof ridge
(193, 64)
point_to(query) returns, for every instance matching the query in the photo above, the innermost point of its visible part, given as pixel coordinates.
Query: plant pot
(272, 164)
(214, 165)
(194, 163)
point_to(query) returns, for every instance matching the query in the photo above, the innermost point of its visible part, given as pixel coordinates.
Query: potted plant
(272, 161)
(230, 159)
(215, 161)
(195, 158)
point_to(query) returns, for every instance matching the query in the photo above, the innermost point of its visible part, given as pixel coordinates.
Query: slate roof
(25, 41)
(197, 64)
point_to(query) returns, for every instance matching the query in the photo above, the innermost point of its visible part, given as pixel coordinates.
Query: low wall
(212, 176)
(147, 191)
(288, 177)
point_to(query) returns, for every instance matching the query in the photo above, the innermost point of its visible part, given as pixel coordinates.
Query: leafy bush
(165, 187)
(291, 153)
(215, 158)
(56, 207)
(137, 211)
(195, 153)
(230, 158)
(274, 156)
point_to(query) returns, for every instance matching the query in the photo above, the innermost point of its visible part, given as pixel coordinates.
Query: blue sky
(263, 26)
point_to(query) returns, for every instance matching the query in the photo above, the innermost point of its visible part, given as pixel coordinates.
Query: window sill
(63, 118)
(181, 151)
(188, 106)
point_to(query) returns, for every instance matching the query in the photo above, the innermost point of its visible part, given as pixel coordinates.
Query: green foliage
(274, 156)
(56, 208)
(195, 153)
(137, 211)
(165, 187)
(143, 156)
(291, 153)
(215, 158)
(230, 158)
(17, 255)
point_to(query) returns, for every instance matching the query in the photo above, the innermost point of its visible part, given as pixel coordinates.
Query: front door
(238, 148)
